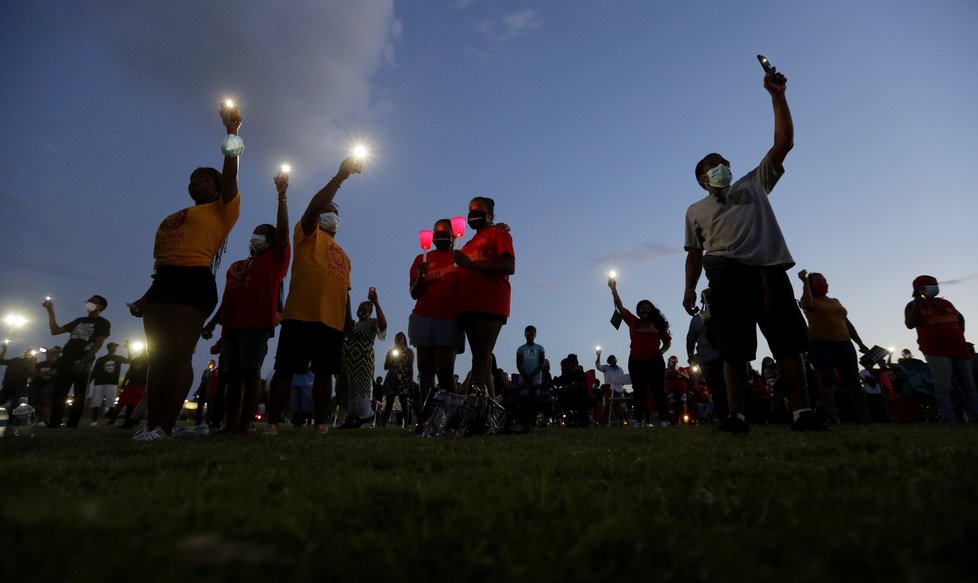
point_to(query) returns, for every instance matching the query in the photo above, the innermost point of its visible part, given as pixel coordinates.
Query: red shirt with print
(251, 294)
(646, 338)
(439, 298)
(480, 291)
(939, 329)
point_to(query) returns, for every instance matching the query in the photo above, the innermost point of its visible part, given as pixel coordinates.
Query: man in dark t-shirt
(105, 380)
(19, 371)
(87, 335)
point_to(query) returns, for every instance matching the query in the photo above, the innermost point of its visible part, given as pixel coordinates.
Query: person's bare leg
(251, 383)
(445, 369)
(482, 339)
(172, 330)
(854, 386)
(278, 395)
(322, 389)
(793, 369)
(826, 392)
(735, 377)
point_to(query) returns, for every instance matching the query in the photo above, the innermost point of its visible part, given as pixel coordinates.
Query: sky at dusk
(583, 119)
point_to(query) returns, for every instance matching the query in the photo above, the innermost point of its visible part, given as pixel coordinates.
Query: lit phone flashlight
(766, 64)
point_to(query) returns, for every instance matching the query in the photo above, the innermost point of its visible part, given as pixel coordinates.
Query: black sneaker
(733, 424)
(810, 421)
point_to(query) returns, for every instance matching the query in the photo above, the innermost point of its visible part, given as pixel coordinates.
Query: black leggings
(648, 374)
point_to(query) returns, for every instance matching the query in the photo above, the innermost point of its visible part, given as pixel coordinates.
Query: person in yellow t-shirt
(184, 292)
(317, 309)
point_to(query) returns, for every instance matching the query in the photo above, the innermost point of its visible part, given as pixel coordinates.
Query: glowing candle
(458, 229)
(425, 237)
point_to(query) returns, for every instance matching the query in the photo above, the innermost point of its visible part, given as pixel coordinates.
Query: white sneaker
(150, 435)
(93, 424)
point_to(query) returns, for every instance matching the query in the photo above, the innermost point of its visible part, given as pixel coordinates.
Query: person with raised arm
(317, 310)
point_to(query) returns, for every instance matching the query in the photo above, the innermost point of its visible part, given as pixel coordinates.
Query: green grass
(894, 503)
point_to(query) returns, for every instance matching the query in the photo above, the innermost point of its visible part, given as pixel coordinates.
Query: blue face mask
(719, 176)
(232, 146)
(931, 291)
(329, 222)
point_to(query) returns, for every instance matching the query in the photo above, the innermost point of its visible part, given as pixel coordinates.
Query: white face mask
(329, 222)
(90, 307)
(720, 176)
(258, 244)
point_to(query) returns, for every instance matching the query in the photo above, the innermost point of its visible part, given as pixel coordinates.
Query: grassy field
(895, 503)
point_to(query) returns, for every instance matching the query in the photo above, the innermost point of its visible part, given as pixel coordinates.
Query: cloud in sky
(511, 26)
(309, 62)
(644, 253)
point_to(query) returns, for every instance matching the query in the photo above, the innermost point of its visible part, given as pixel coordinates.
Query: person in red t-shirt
(433, 326)
(249, 312)
(650, 337)
(485, 264)
(940, 335)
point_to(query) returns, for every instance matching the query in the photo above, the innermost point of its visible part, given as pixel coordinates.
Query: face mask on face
(258, 244)
(90, 307)
(931, 291)
(442, 242)
(477, 219)
(329, 222)
(820, 289)
(719, 176)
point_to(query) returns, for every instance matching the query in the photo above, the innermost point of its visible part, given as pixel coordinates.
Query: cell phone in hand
(766, 64)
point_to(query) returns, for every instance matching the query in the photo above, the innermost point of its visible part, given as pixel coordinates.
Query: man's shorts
(186, 286)
(426, 332)
(833, 355)
(131, 395)
(245, 348)
(304, 346)
(744, 297)
(101, 393)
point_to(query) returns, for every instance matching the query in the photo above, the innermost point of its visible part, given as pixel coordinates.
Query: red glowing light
(424, 237)
(458, 227)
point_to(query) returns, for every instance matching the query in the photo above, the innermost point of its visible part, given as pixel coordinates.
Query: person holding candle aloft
(357, 361)
(485, 264)
(433, 326)
(399, 383)
(650, 337)
(187, 252)
(733, 235)
(317, 309)
(249, 312)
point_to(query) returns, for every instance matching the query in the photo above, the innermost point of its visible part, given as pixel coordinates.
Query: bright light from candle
(14, 320)
(458, 227)
(425, 238)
